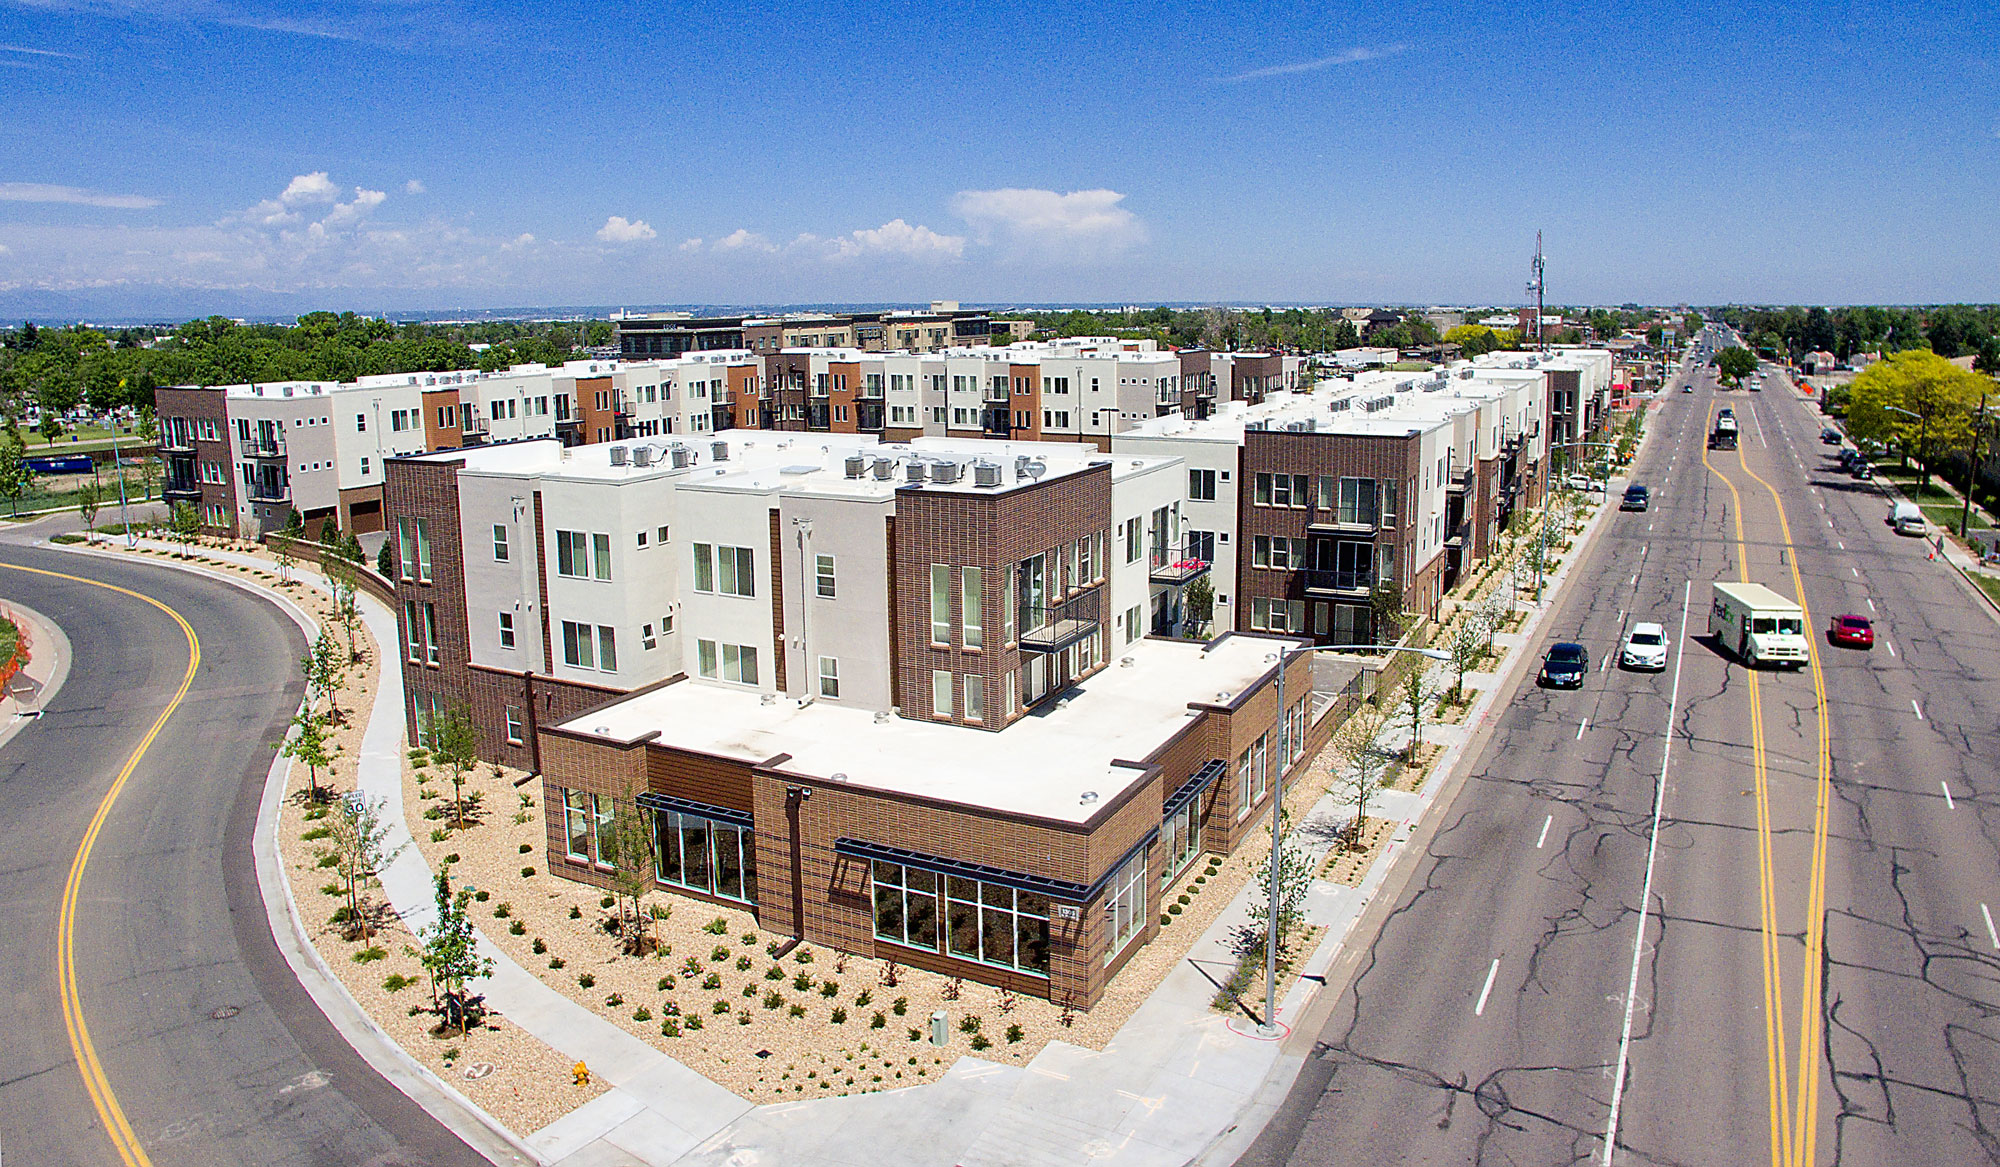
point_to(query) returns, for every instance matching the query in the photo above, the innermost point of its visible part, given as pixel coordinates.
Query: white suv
(1645, 648)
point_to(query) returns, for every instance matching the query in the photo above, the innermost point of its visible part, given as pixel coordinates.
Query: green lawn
(1988, 584)
(1946, 515)
(9, 637)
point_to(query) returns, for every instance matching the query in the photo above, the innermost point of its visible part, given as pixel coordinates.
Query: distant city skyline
(415, 156)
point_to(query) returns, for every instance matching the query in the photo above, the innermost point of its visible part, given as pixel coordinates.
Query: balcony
(871, 392)
(265, 491)
(176, 443)
(1175, 566)
(999, 395)
(263, 447)
(181, 490)
(1458, 481)
(1063, 625)
(1353, 522)
(1341, 582)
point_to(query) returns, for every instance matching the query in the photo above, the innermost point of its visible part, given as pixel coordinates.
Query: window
(660, 536)
(573, 554)
(514, 728)
(1129, 534)
(906, 905)
(1282, 490)
(705, 855)
(1201, 545)
(364, 467)
(646, 638)
(642, 538)
(601, 555)
(975, 697)
(972, 606)
(413, 631)
(985, 922)
(607, 649)
(413, 545)
(940, 604)
(823, 582)
(1356, 500)
(1086, 558)
(1181, 834)
(1132, 624)
(577, 825)
(499, 543)
(1125, 905)
(829, 677)
(941, 693)
(1277, 552)
(579, 649)
(1201, 485)
(729, 571)
(1277, 615)
(506, 630)
(432, 650)
(735, 663)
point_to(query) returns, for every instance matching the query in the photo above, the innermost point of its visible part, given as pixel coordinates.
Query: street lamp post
(1972, 472)
(1268, 1025)
(118, 464)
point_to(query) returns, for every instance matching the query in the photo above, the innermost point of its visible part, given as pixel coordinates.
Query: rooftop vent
(1087, 797)
(1021, 465)
(682, 457)
(642, 455)
(856, 465)
(719, 451)
(885, 469)
(768, 699)
(945, 473)
(618, 454)
(914, 472)
(985, 474)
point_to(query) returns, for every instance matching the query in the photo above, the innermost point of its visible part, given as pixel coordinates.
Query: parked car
(1853, 631)
(1862, 470)
(1828, 436)
(1637, 498)
(1565, 666)
(1645, 648)
(1687, 388)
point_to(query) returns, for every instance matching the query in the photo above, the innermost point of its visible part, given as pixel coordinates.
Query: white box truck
(1759, 625)
(1907, 518)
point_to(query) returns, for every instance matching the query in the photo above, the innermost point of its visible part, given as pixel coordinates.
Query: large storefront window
(705, 855)
(1125, 905)
(1181, 834)
(985, 922)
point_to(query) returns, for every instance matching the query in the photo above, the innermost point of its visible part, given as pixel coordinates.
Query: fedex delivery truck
(1759, 625)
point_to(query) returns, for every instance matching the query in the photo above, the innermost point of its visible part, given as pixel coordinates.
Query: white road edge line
(1492, 971)
(1989, 925)
(1545, 832)
(1918, 708)
(1871, 608)
(1948, 803)
(1891, 647)
(1585, 724)
(1646, 892)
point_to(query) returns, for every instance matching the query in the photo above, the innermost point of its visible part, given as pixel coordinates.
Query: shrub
(915, 1033)
(333, 889)
(716, 927)
(719, 1008)
(750, 990)
(969, 1023)
(771, 949)
(1174, 909)
(719, 953)
(373, 952)
(517, 928)
(803, 983)
(742, 964)
(712, 981)
(803, 955)
(454, 858)
(861, 1002)
(328, 859)
(643, 1014)
(1184, 899)
(614, 1000)
(666, 983)
(539, 946)
(526, 848)
(502, 910)
(586, 980)
(397, 982)
(438, 834)
(692, 1021)
(839, 1015)
(774, 973)
(575, 912)
(670, 1007)
(691, 967)
(980, 1042)
(671, 1027)
(772, 999)
(606, 902)
(829, 989)
(1013, 1033)
(877, 1021)
(316, 834)
(798, 1011)
(527, 872)
(749, 938)
(900, 1006)
(555, 962)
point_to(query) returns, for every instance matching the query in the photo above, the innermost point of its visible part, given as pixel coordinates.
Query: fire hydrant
(581, 1073)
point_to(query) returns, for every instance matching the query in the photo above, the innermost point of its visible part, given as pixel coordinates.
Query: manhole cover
(225, 1013)
(478, 1070)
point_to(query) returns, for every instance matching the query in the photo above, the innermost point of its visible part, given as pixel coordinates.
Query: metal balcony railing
(263, 447)
(1340, 581)
(1175, 565)
(1062, 625)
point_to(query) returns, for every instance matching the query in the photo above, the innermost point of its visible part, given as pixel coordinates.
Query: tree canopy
(1950, 330)
(1941, 395)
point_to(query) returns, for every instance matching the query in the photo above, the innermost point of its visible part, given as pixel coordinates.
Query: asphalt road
(211, 1048)
(1534, 879)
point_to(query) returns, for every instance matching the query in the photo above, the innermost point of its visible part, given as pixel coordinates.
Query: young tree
(455, 746)
(341, 578)
(1466, 645)
(1416, 699)
(1200, 604)
(1736, 363)
(1294, 883)
(627, 845)
(359, 847)
(185, 523)
(307, 743)
(325, 667)
(1385, 604)
(89, 497)
(1362, 760)
(385, 560)
(17, 478)
(284, 553)
(51, 427)
(450, 954)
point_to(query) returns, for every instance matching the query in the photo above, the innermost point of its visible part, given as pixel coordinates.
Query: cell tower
(1535, 287)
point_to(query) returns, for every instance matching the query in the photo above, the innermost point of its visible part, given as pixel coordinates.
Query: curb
(480, 1131)
(50, 636)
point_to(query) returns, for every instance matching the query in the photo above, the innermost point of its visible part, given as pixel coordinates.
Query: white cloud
(43, 192)
(522, 240)
(310, 188)
(1347, 57)
(693, 244)
(364, 202)
(617, 229)
(899, 238)
(413, 187)
(24, 49)
(1082, 224)
(744, 239)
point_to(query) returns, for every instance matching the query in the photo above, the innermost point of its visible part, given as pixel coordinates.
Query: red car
(1854, 631)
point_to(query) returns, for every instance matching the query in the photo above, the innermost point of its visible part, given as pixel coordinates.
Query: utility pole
(1972, 471)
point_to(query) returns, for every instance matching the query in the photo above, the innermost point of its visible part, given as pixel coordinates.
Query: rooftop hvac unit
(945, 473)
(1466, 374)
(719, 451)
(682, 457)
(885, 469)
(642, 455)
(618, 454)
(856, 465)
(1339, 405)
(914, 472)
(985, 474)
(1021, 464)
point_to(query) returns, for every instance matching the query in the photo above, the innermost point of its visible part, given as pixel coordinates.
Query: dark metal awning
(654, 801)
(1192, 788)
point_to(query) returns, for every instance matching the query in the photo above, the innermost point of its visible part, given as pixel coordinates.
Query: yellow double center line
(94, 1081)
(1793, 1120)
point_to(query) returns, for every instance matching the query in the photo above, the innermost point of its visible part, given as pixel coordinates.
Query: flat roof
(1044, 765)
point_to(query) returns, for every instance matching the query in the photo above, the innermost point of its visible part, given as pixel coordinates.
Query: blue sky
(405, 153)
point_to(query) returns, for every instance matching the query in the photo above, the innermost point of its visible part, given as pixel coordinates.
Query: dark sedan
(1565, 666)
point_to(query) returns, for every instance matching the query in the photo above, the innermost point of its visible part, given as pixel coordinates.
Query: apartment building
(198, 453)
(669, 334)
(1579, 392)
(729, 629)
(1304, 505)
